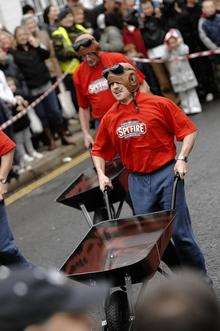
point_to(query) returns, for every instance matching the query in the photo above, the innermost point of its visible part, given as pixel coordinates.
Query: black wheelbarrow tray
(84, 192)
(114, 249)
(123, 252)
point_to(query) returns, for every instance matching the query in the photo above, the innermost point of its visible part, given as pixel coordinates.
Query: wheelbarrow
(123, 251)
(84, 193)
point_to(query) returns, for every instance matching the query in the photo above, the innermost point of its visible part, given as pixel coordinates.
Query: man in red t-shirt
(91, 87)
(141, 128)
(9, 253)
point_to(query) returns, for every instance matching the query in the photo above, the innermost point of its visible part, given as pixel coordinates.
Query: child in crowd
(181, 74)
(25, 151)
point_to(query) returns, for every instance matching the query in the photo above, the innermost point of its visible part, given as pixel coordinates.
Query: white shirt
(5, 92)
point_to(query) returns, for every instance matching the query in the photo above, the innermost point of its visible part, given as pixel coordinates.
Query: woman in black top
(30, 57)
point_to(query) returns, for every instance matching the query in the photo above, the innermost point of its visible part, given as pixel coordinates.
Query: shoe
(209, 97)
(28, 158)
(37, 155)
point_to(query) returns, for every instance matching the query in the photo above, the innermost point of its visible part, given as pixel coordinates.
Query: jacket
(209, 31)
(181, 74)
(63, 40)
(111, 40)
(152, 32)
(31, 62)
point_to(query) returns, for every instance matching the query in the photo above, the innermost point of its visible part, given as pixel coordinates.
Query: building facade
(11, 10)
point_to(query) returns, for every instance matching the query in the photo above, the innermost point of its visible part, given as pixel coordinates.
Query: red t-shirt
(92, 88)
(6, 144)
(143, 138)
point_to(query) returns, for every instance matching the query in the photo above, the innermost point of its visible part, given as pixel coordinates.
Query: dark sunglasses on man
(117, 69)
(87, 42)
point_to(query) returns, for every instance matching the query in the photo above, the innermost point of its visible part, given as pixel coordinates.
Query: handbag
(35, 122)
(65, 99)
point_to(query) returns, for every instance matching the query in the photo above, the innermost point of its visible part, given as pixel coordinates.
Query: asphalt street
(47, 231)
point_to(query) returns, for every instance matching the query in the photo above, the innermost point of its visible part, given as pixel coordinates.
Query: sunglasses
(82, 43)
(117, 69)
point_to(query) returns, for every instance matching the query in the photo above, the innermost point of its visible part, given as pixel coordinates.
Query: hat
(85, 44)
(172, 33)
(30, 297)
(63, 13)
(123, 73)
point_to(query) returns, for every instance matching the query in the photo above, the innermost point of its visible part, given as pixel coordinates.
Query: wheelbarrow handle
(176, 179)
(107, 203)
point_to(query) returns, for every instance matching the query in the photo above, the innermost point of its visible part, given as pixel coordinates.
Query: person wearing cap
(9, 252)
(91, 87)
(63, 38)
(141, 128)
(40, 300)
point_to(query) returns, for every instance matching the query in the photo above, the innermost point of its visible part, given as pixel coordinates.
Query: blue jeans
(49, 111)
(153, 192)
(9, 252)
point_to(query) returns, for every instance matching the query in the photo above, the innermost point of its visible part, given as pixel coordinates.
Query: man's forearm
(188, 143)
(84, 117)
(99, 163)
(6, 164)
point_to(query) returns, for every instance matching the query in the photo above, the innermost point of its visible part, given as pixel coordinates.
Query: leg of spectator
(20, 149)
(194, 103)
(42, 113)
(27, 141)
(184, 102)
(55, 118)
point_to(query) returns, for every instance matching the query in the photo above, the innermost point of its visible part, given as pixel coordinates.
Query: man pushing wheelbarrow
(141, 128)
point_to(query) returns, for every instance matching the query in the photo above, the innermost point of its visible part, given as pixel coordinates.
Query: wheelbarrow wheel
(117, 311)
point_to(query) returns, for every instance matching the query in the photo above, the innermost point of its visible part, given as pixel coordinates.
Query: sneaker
(209, 97)
(28, 158)
(37, 155)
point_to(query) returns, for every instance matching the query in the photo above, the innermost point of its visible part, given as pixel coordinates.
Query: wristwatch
(182, 158)
(3, 180)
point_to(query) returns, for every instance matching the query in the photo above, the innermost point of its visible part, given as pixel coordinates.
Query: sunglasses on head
(117, 69)
(82, 43)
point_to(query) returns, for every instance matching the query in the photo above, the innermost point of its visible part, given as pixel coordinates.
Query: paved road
(48, 231)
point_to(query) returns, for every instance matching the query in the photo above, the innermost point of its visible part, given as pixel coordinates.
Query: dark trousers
(9, 252)
(49, 112)
(153, 192)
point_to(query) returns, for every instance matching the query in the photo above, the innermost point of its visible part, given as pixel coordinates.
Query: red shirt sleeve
(6, 144)
(178, 122)
(103, 146)
(83, 101)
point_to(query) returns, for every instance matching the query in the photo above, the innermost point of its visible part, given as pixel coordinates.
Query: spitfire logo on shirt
(133, 128)
(98, 85)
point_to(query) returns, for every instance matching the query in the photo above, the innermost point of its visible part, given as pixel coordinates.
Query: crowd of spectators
(41, 50)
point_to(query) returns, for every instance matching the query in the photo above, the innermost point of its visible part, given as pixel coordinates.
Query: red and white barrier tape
(177, 58)
(33, 104)
(38, 100)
